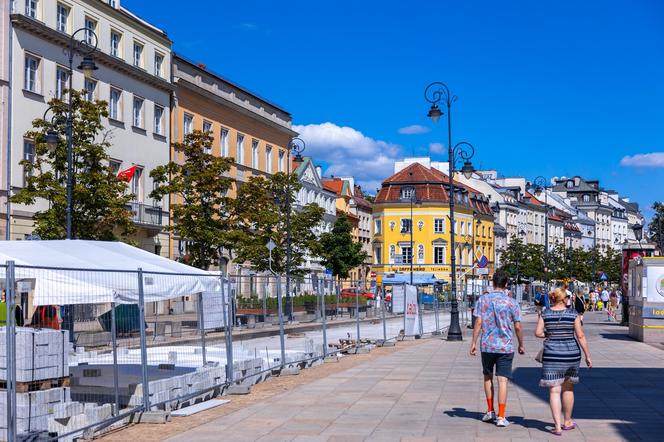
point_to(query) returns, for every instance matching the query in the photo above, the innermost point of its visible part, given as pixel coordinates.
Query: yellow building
(429, 251)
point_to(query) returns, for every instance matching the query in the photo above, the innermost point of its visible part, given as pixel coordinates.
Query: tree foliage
(100, 199)
(340, 253)
(198, 186)
(657, 223)
(260, 215)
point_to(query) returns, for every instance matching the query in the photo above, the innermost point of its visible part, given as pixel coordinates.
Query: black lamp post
(435, 93)
(296, 146)
(86, 49)
(412, 199)
(541, 185)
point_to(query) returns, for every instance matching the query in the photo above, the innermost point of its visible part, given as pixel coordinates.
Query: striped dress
(562, 354)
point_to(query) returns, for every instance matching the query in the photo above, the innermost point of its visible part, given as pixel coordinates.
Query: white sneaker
(502, 422)
(490, 416)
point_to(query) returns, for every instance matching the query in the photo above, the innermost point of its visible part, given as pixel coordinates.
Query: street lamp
(296, 146)
(412, 198)
(86, 49)
(541, 185)
(435, 93)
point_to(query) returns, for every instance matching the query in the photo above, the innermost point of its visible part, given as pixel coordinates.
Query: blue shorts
(501, 361)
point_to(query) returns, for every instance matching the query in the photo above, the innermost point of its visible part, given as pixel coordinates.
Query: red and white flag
(127, 174)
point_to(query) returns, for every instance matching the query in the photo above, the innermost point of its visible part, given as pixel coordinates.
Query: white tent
(93, 272)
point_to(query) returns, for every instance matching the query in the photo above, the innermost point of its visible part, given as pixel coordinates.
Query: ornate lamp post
(436, 93)
(541, 185)
(86, 49)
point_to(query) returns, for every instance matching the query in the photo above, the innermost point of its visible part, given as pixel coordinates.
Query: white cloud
(414, 130)
(347, 151)
(653, 159)
(436, 148)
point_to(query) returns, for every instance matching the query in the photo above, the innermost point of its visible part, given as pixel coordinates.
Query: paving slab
(433, 391)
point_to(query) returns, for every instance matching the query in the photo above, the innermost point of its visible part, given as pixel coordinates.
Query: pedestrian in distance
(604, 296)
(564, 340)
(498, 319)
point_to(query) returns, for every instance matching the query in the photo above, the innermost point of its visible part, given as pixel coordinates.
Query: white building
(133, 76)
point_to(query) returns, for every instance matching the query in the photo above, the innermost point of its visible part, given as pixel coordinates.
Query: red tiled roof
(358, 196)
(532, 199)
(334, 185)
(429, 184)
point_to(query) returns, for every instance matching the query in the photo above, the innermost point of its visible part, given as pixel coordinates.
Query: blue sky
(544, 87)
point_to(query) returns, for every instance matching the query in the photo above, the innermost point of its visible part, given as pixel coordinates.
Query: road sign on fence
(482, 271)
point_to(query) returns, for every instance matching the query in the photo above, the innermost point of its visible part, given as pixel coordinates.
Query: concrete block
(239, 389)
(289, 371)
(153, 417)
(331, 358)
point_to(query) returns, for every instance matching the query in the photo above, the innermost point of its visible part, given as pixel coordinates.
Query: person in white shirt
(605, 298)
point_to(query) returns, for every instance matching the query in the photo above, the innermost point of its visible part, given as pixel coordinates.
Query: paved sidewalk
(433, 391)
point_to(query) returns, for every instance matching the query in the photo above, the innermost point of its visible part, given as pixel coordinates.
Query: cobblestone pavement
(433, 391)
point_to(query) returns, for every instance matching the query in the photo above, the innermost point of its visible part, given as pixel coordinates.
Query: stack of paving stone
(68, 417)
(33, 409)
(40, 354)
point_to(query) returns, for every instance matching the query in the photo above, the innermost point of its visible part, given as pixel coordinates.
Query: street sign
(328, 272)
(482, 271)
(482, 262)
(603, 277)
(270, 245)
(372, 274)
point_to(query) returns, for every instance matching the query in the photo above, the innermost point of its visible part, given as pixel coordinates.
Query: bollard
(357, 311)
(280, 312)
(116, 375)
(144, 347)
(201, 321)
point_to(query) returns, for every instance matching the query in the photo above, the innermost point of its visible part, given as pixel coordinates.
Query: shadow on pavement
(632, 395)
(515, 420)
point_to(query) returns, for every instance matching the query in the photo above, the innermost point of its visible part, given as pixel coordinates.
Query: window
(407, 193)
(158, 65)
(115, 166)
(438, 225)
(282, 163)
(439, 255)
(207, 127)
(378, 226)
(90, 89)
(62, 19)
(90, 28)
(378, 253)
(240, 149)
(137, 112)
(138, 55)
(586, 198)
(406, 254)
(268, 159)
(31, 81)
(158, 120)
(188, 126)
(116, 40)
(224, 143)
(61, 79)
(31, 8)
(112, 3)
(115, 105)
(462, 230)
(406, 224)
(254, 154)
(28, 155)
(137, 185)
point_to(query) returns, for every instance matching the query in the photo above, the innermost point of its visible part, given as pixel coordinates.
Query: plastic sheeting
(81, 272)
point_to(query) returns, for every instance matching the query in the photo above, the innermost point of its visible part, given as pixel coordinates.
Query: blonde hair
(557, 295)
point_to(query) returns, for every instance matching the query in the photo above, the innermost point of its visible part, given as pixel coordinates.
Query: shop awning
(418, 278)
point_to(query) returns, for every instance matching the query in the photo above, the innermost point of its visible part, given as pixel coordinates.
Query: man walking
(605, 298)
(496, 312)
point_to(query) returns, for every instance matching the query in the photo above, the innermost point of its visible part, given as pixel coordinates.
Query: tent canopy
(418, 278)
(92, 272)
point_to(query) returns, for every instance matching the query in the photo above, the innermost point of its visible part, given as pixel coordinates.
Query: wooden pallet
(46, 384)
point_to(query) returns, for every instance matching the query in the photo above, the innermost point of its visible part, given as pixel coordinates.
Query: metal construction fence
(83, 351)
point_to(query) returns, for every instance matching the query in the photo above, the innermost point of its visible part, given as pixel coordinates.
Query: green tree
(259, 214)
(99, 198)
(580, 264)
(339, 252)
(656, 226)
(513, 257)
(198, 188)
(610, 263)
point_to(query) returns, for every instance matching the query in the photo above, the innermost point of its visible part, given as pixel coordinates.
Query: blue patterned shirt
(498, 312)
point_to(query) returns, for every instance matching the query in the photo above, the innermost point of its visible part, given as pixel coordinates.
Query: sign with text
(412, 323)
(420, 268)
(653, 312)
(655, 283)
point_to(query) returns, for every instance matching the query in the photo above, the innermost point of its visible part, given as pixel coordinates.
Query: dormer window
(407, 193)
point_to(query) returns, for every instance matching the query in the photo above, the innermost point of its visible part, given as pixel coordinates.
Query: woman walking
(561, 357)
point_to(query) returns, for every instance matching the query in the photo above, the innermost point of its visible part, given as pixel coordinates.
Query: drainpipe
(10, 76)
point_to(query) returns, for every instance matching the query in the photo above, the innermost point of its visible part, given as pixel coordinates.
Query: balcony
(144, 215)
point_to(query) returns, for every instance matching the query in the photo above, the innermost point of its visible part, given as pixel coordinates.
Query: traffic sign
(482, 271)
(372, 274)
(328, 272)
(482, 262)
(603, 277)
(270, 245)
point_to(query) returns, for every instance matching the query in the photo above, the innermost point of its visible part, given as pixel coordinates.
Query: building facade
(133, 76)
(245, 127)
(425, 190)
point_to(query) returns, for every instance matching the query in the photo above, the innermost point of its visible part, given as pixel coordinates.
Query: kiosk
(646, 299)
